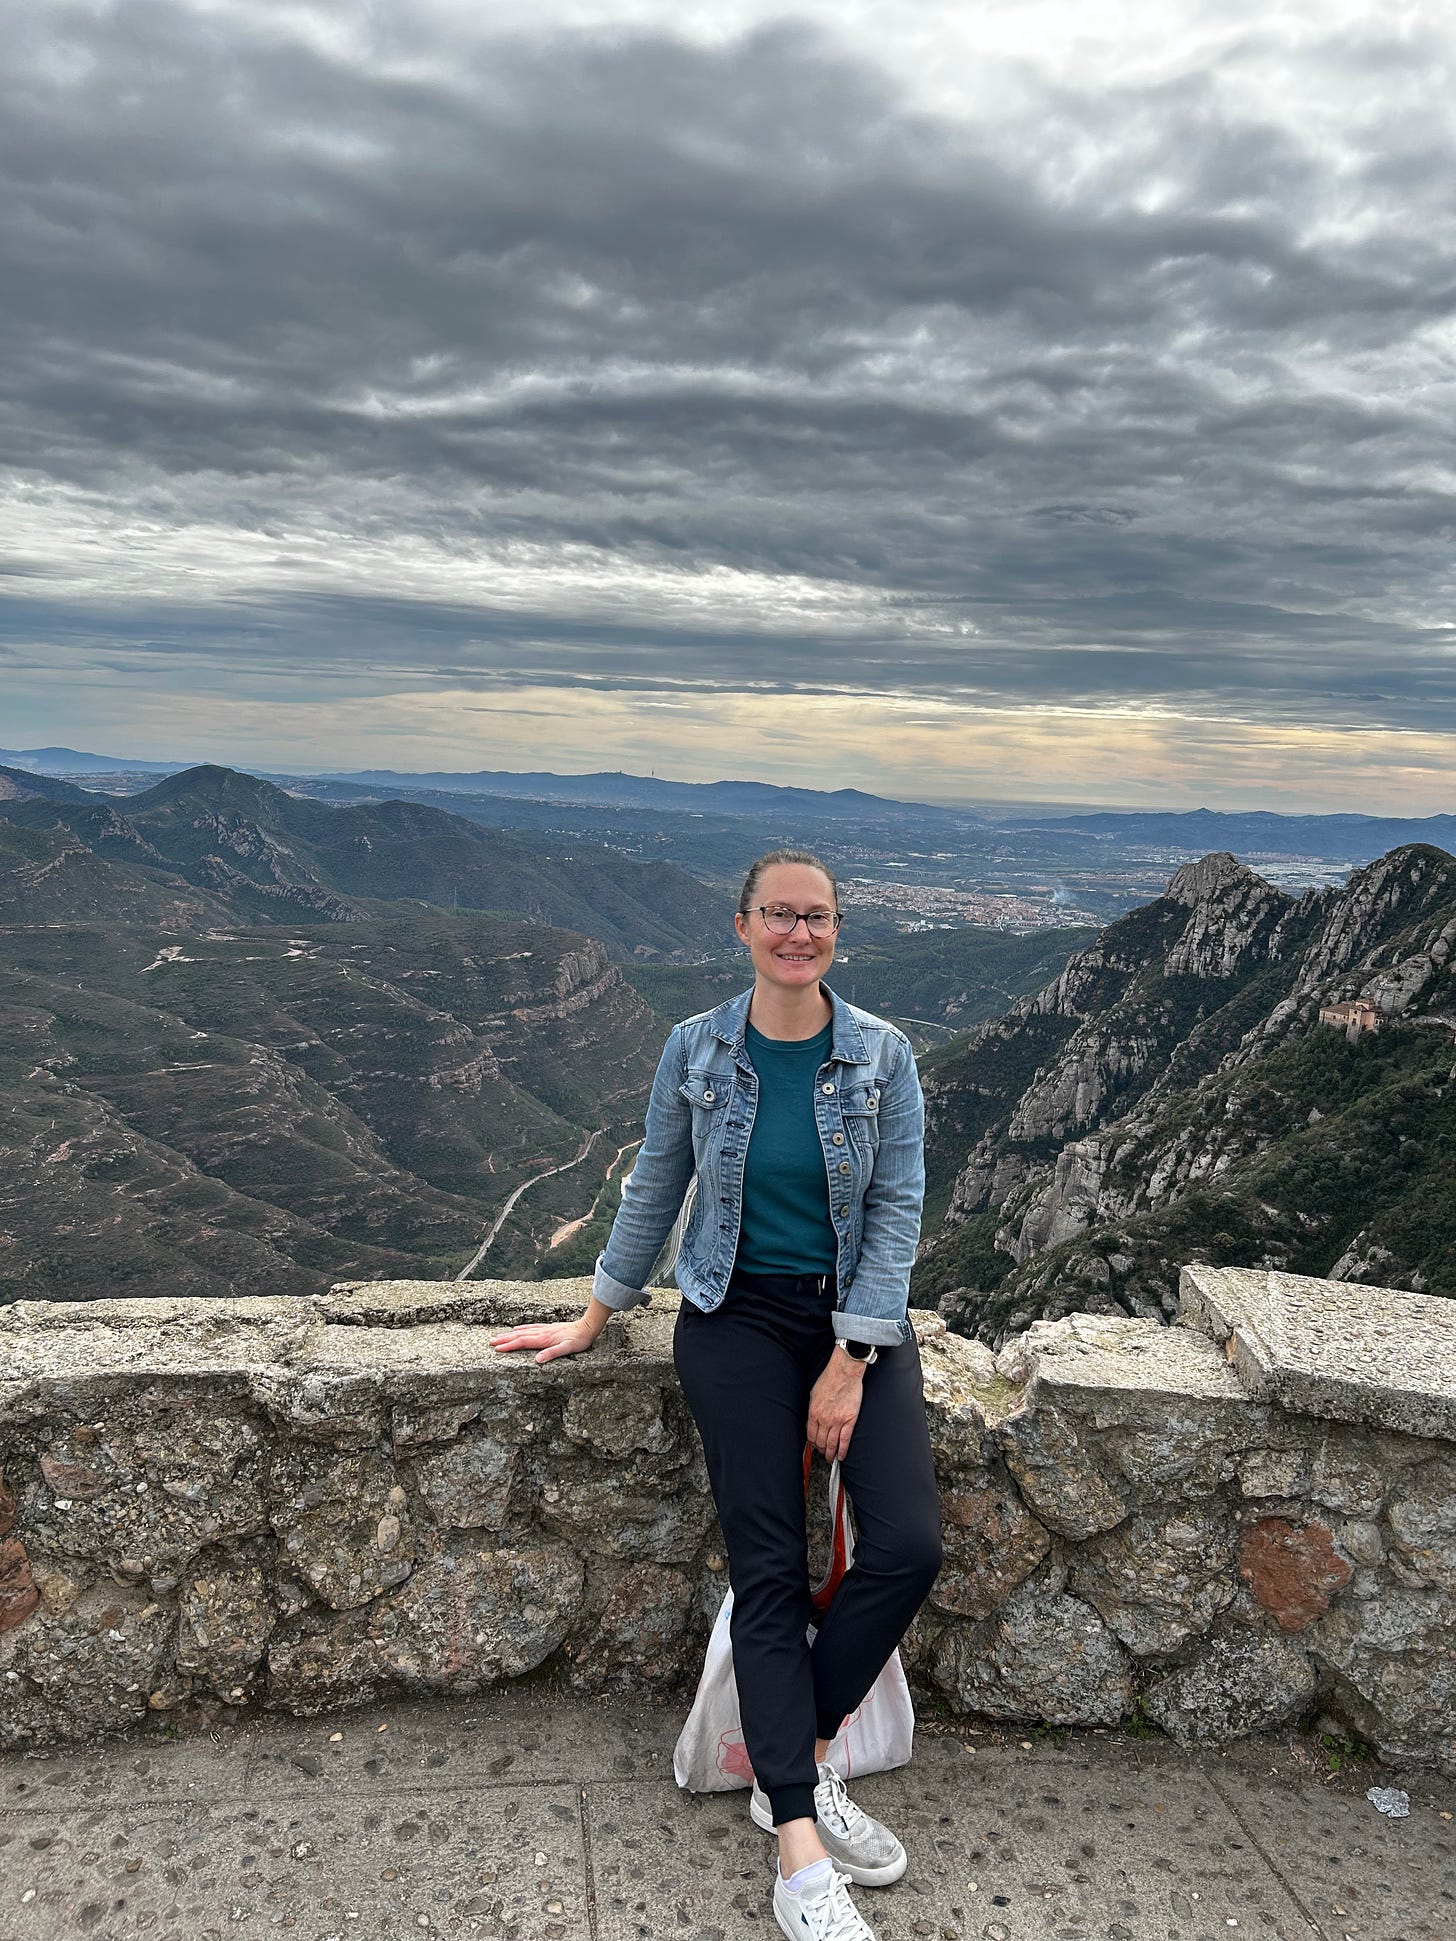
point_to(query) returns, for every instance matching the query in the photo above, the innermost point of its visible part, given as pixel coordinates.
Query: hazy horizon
(1033, 403)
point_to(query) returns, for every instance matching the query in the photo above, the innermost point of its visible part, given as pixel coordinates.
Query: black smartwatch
(864, 1351)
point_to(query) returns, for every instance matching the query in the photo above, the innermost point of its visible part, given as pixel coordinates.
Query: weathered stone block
(1421, 1519)
(1160, 1577)
(342, 1522)
(633, 1516)
(329, 1664)
(615, 1418)
(467, 1484)
(1395, 1670)
(411, 1426)
(340, 1409)
(1276, 1473)
(1056, 1472)
(95, 1663)
(18, 1594)
(642, 1637)
(142, 1495)
(1046, 1655)
(1240, 1680)
(992, 1543)
(1333, 1349)
(223, 1623)
(470, 1618)
(1346, 1474)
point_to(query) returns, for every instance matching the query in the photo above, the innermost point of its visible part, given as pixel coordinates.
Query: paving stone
(1061, 1846)
(400, 1866)
(680, 1864)
(197, 1767)
(1356, 1871)
(1078, 1836)
(494, 1740)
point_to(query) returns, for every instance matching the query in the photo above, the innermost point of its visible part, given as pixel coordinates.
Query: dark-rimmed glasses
(783, 921)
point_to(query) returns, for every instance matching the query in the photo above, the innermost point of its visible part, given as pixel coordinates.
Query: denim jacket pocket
(707, 1093)
(860, 1104)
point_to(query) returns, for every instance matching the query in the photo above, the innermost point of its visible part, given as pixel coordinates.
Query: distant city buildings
(938, 906)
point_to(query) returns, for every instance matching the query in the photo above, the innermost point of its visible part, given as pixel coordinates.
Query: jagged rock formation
(1228, 1526)
(1172, 1091)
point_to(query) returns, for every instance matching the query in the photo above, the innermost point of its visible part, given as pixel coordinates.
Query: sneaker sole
(885, 1876)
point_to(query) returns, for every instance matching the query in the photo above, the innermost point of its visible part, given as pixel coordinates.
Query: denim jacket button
(844, 1165)
(827, 1087)
(708, 1095)
(838, 1138)
(872, 1099)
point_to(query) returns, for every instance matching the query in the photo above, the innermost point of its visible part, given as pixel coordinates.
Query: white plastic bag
(710, 1756)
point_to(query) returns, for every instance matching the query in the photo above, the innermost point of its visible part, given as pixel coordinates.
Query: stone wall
(1223, 1526)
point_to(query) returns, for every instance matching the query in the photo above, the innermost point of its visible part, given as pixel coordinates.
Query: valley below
(252, 1042)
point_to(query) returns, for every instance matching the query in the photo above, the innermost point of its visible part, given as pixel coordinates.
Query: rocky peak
(1384, 898)
(1232, 913)
(1210, 878)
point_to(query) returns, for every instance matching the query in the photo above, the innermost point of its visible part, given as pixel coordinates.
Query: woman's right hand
(549, 1338)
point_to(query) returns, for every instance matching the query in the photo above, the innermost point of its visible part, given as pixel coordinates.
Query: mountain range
(250, 1041)
(213, 844)
(1172, 1095)
(1252, 833)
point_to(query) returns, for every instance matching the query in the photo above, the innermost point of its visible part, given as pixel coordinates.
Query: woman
(799, 1120)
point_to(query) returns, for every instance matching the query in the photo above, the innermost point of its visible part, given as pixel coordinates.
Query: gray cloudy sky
(1027, 399)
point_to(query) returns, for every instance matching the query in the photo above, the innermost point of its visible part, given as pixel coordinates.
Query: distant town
(938, 906)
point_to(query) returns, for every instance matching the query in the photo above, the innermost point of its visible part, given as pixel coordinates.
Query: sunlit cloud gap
(1027, 379)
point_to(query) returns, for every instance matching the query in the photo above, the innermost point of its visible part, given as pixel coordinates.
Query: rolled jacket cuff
(869, 1327)
(614, 1293)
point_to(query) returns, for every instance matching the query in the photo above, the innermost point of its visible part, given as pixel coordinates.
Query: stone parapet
(296, 1504)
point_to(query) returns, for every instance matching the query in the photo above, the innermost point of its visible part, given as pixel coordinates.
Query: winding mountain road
(500, 1219)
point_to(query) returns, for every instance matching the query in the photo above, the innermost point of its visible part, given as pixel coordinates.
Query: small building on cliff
(1353, 1016)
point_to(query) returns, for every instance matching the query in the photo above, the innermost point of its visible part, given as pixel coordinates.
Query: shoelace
(843, 1814)
(840, 1918)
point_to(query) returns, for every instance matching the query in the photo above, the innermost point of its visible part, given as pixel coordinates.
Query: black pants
(747, 1371)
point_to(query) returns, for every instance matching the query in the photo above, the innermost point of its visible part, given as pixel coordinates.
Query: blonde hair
(806, 857)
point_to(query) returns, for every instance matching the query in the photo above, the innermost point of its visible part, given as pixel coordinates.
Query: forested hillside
(1173, 1096)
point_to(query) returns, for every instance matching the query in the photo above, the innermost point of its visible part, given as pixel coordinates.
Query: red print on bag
(733, 1757)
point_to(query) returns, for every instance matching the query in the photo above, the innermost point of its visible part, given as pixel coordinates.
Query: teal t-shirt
(786, 1225)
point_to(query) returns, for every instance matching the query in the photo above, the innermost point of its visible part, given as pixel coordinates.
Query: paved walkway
(523, 1817)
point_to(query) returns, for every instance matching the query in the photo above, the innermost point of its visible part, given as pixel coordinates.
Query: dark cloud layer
(1143, 397)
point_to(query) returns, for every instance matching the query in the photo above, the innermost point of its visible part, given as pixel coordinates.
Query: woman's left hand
(834, 1405)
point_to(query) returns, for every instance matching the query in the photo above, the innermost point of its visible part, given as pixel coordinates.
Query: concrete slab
(1072, 1844)
(406, 1867)
(194, 1770)
(1332, 1348)
(528, 1815)
(1359, 1873)
(460, 1746)
(1051, 1847)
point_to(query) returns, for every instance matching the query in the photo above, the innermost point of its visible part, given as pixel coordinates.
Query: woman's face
(794, 961)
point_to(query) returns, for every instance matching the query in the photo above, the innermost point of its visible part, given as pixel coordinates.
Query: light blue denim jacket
(871, 1119)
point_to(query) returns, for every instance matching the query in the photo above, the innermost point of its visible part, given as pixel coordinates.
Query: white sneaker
(859, 1846)
(829, 1915)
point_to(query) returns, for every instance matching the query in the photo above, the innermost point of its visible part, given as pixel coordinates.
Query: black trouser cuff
(792, 1803)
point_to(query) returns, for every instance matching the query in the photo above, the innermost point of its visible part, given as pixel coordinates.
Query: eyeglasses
(783, 922)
